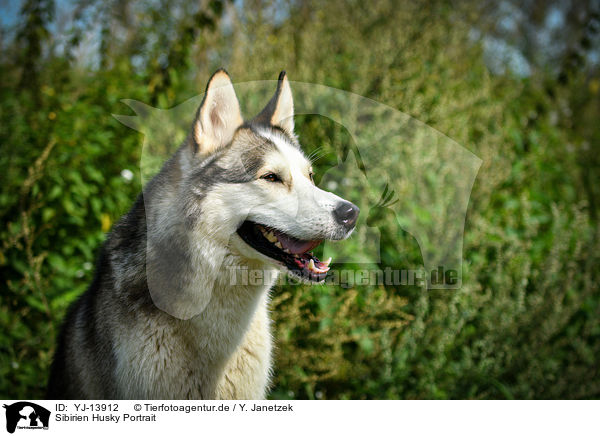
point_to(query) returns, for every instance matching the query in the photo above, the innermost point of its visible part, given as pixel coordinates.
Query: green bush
(523, 325)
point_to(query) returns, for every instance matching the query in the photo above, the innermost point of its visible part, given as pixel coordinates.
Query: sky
(9, 12)
(500, 56)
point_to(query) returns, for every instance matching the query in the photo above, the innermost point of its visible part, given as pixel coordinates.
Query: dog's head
(252, 186)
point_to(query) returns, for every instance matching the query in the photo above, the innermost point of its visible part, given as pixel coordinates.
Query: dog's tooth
(278, 244)
(322, 270)
(285, 250)
(316, 269)
(271, 237)
(327, 262)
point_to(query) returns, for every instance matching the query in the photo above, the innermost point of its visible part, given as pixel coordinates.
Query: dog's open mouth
(291, 252)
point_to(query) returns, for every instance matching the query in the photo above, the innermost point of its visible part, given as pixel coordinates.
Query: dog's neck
(237, 291)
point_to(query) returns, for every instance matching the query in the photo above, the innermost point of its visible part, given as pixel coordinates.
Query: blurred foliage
(525, 322)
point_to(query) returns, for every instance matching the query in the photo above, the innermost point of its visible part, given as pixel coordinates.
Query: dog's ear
(218, 116)
(280, 109)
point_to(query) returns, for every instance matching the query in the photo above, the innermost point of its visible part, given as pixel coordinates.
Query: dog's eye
(311, 177)
(271, 177)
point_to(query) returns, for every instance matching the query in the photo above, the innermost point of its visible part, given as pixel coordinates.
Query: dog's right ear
(218, 116)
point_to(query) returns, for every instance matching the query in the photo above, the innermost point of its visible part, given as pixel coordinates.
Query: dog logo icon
(26, 415)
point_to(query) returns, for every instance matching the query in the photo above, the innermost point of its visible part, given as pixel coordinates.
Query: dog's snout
(346, 214)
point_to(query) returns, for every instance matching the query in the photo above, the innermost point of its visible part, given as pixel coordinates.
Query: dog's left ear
(280, 109)
(218, 116)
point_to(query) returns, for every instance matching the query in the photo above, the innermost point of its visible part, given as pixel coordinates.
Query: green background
(525, 322)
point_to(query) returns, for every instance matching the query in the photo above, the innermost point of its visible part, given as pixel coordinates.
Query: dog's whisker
(316, 154)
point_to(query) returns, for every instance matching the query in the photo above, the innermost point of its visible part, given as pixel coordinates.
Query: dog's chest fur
(223, 353)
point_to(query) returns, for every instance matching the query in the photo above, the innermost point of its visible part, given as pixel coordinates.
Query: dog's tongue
(295, 246)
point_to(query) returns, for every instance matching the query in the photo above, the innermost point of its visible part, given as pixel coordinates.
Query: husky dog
(164, 318)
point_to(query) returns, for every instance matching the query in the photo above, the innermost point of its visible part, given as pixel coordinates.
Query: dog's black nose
(346, 214)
